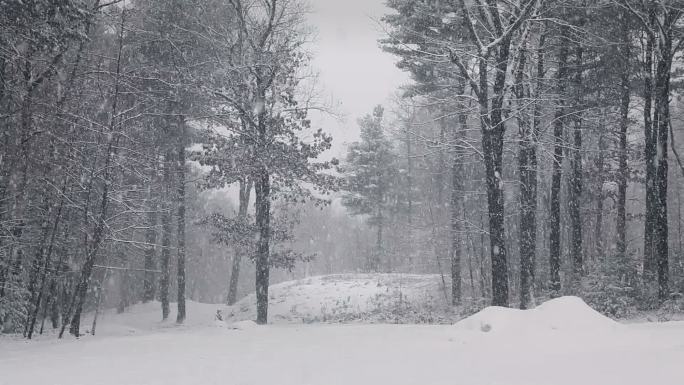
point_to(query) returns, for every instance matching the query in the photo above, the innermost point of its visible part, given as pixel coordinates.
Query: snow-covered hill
(384, 298)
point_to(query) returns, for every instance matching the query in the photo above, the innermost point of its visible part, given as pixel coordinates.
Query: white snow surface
(561, 342)
(387, 298)
(565, 314)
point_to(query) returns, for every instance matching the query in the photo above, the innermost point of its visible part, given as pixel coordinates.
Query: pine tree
(370, 174)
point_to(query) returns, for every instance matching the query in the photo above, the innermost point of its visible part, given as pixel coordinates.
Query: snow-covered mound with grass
(401, 298)
(562, 314)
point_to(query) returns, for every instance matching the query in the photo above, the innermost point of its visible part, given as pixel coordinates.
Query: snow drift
(561, 314)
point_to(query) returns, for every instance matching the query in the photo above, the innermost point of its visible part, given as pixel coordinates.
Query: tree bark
(558, 125)
(166, 238)
(599, 196)
(663, 115)
(149, 284)
(263, 205)
(262, 186)
(455, 205)
(527, 164)
(492, 147)
(649, 158)
(180, 220)
(575, 180)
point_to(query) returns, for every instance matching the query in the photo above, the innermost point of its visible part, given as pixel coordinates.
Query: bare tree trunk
(456, 225)
(262, 186)
(409, 192)
(166, 238)
(263, 205)
(559, 122)
(663, 115)
(575, 180)
(180, 220)
(600, 170)
(149, 285)
(649, 158)
(527, 163)
(492, 148)
(492, 125)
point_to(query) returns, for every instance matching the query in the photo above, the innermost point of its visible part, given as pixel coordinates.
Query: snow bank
(561, 314)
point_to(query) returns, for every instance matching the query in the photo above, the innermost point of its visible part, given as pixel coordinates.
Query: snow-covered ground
(386, 298)
(561, 342)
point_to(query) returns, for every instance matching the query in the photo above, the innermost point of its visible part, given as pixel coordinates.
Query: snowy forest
(170, 165)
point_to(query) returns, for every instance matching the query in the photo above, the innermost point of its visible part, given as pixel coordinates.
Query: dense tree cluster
(102, 104)
(560, 122)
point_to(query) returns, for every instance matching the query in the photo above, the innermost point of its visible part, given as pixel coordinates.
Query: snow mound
(572, 313)
(380, 298)
(563, 314)
(495, 319)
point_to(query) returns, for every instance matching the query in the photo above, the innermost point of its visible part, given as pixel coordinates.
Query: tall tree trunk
(262, 186)
(263, 205)
(558, 125)
(492, 147)
(600, 171)
(492, 124)
(180, 220)
(409, 192)
(527, 163)
(149, 278)
(166, 237)
(649, 158)
(663, 122)
(455, 207)
(575, 188)
(442, 248)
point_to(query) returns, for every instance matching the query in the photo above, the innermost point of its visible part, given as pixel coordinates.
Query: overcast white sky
(352, 68)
